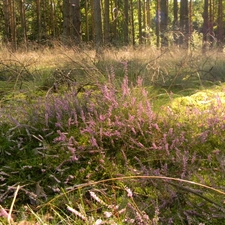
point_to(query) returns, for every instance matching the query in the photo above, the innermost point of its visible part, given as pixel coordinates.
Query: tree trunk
(44, 20)
(205, 25)
(52, 19)
(23, 22)
(184, 22)
(126, 22)
(176, 33)
(211, 22)
(148, 20)
(114, 11)
(190, 23)
(158, 19)
(139, 22)
(6, 12)
(175, 12)
(220, 25)
(106, 23)
(132, 22)
(87, 33)
(144, 21)
(12, 25)
(38, 13)
(164, 21)
(75, 19)
(71, 22)
(97, 23)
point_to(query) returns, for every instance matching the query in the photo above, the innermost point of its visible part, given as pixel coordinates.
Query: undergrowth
(114, 150)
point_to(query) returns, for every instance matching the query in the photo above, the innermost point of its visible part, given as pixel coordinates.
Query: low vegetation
(133, 136)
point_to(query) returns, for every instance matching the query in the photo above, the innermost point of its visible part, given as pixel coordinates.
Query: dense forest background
(187, 23)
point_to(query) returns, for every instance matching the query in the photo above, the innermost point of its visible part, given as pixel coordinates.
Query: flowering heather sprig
(111, 76)
(97, 199)
(125, 64)
(109, 95)
(62, 137)
(125, 87)
(129, 192)
(3, 213)
(185, 163)
(141, 217)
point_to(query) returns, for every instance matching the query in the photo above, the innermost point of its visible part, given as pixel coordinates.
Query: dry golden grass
(59, 55)
(156, 66)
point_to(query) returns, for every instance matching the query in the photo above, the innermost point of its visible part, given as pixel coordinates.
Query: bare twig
(11, 207)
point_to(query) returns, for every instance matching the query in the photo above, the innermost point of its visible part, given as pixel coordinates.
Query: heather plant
(105, 152)
(119, 125)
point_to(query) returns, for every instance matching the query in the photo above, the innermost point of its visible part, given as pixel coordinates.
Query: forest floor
(131, 136)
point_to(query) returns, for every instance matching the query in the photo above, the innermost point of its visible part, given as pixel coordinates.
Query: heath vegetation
(130, 136)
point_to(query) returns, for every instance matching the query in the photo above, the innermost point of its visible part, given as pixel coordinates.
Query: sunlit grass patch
(202, 100)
